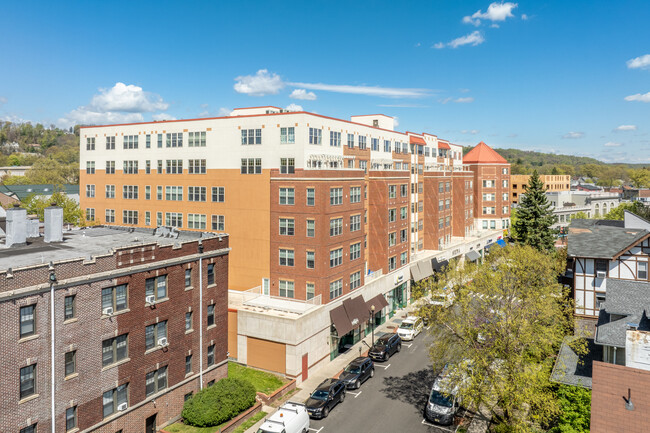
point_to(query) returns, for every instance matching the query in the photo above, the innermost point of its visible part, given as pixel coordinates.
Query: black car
(385, 346)
(327, 395)
(357, 372)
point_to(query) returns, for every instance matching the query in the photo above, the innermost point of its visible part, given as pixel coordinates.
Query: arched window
(596, 210)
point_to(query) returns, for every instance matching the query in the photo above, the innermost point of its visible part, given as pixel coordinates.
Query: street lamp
(372, 323)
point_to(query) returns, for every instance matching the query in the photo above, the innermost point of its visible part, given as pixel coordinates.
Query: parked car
(443, 402)
(357, 372)
(327, 395)
(385, 346)
(290, 418)
(410, 328)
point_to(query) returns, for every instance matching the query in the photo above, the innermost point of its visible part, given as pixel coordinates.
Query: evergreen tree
(534, 217)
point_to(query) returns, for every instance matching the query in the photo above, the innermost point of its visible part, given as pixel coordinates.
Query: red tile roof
(483, 154)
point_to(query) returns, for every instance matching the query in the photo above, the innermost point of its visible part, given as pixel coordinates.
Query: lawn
(179, 427)
(262, 381)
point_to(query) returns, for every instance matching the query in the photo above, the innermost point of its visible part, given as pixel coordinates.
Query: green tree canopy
(534, 217)
(639, 178)
(636, 207)
(72, 214)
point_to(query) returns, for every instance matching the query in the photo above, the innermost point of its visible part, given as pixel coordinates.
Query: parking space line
(317, 431)
(382, 366)
(425, 422)
(407, 345)
(355, 394)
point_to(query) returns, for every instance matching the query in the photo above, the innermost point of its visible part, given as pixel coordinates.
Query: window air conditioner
(107, 311)
(122, 407)
(162, 342)
(601, 274)
(150, 299)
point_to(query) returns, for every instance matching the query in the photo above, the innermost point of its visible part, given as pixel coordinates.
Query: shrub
(575, 409)
(219, 403)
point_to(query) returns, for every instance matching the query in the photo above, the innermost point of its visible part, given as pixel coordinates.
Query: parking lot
(393, 400)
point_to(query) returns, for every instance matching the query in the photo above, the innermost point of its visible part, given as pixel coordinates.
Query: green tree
(579, 216)
(640, 178)
(636, 207)
(535, 217)
(575, 410)
(506, 324)
(72, 214)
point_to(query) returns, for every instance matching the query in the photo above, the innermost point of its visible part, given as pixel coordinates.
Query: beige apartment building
(552, 182)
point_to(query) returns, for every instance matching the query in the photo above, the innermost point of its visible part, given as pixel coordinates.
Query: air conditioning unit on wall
(107, 311)
(122, 407)
(601, 274)
(150, 299)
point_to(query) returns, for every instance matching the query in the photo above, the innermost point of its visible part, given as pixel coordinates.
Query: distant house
(21, 192)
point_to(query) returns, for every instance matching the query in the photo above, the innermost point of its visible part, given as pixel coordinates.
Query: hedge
(219, 403)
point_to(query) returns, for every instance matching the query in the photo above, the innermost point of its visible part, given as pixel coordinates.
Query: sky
(553, 76)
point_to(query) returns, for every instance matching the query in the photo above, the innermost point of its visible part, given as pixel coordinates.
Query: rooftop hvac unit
(162, 342)
(108, 311)
(150, 299)
(122, 407)
(601, 274)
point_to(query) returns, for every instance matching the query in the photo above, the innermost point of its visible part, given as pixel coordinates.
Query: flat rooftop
(86, 243)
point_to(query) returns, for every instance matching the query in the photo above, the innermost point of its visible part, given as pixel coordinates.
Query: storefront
(397, 298)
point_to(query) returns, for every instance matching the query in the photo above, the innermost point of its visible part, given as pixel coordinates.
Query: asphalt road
(392, 401)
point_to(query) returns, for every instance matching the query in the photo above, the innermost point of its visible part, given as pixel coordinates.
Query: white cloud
(439, 45)
(573, 135)
(464, 90)
(612, 144)
(642, 62)
(444, 101)
(470, 131)
(639, 97)
(223, 112)
(294, 107)
(495, 12)
(13, 119)
(524, 17)
(625, 128)
(303, 94)
(3, 100)
(395, 121)
(162, 116)
(261, 84)
(391, 92)
(475, 38)
(467, 100)
(84, 116)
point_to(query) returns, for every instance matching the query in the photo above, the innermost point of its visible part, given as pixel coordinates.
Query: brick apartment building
(320, 211)
(107, 329)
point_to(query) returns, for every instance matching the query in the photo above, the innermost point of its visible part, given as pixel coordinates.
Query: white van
(290, 418)
(410, 328)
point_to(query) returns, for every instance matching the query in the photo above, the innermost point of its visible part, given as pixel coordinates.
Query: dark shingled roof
(573, 369)
(629, 299)
(601, 239)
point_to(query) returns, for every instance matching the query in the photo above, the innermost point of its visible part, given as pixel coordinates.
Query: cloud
(625, 128)
(466, 100)
(470, 131)
(612, 144)
(403, 106)
(464, 90)
(444, 101)
(524, 17)
(390, 92)
(395, 121)
(294, 107)
(303, 94)
(475, 38)
(639, 97)
(642, 62)
(84, 116)
(513, 135)
(439, 45)
(261, 84)
(223, 112)
(3, 101)
(162, 116)
(13, 119)
(495, 12)
(573, 135)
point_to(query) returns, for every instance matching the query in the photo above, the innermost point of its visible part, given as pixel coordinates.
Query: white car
(290, 418)
(410, 328)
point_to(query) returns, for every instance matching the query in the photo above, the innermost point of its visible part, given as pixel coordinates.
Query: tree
(506, 324)
(72, 214)
(640, 178)
(534, 217)
(579, 216)
(636, 207)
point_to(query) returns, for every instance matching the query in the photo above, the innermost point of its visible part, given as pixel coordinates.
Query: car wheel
(386, 356)
(342, 397)
(399, 347)
(326, 412)
(357, 385)
(372, 372)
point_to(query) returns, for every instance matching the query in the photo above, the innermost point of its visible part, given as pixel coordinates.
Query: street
(393, 400)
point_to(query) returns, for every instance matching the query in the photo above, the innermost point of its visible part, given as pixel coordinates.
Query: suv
(385, 346)
(410, 328)
(327, 395)
(357, 372)
(443, 401)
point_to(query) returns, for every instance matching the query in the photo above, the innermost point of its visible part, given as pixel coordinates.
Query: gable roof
(483, 154)
(601, 239)
(629, 299)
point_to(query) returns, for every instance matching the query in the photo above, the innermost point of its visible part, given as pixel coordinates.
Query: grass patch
(250, 422)
(179, 427)
(261, 380)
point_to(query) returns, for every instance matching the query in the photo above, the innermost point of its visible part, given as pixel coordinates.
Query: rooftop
(483, 154)
(601, 239)
(627, 304)
(573, 369)
(21, 192)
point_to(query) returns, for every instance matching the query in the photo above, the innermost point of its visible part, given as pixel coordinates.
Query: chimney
(53, 223)
(16, 226)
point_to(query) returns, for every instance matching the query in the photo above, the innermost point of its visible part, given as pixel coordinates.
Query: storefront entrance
(397, 299)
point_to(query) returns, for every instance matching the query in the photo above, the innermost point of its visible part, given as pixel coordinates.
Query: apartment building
(107, 329)
(552, 183)
(320, 212)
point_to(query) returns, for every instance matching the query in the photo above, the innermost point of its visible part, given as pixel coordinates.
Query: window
(130, 167)
(115, 298)
(218, 222)
(355, 194)
(286, 257)
(71, 418)
(188, 365)
(335, 139)
(115, 398)
(392, 239)
(403, 235)
(387, 146)
(110, 215)
(90, 191)
(286, 287)
(447, 187)
(311, 259)
(251, 165)
(392, 264)
(504, 171)
(336, 226)
(362, 142)
(441, 187)
(110, 167)
(374, 144)
(90, 167)
(210, 355)
(488, 183)
(355, 280)
(174, 166)
(160, 141)
(27, 381)
(69, 309)
(504, 183)
(363, 165)
(288, 135)
(447, 204)
(218, 194)
(130, 192)
(130, 142)
(392, 215)
(601, 265)
(90, 143)
(485, 224)
(27, 321)
(403, 258)
(159, 169)
(196, 221)
(404, 190)
(505, 210)
(336, 289)
(311, 228)
(147, 192)
(147, 218)
(196, 139)
(336, 257)
(487, 210)
(287, 226)
(174, 219)
(392, 191)
(90, 214)
(114, 350)
(505, 196)
(188, 321)
(210, 274)
(355, 223)
(156, 287)
(156, 381)
(196, 193)
(315, 136)
(185, 397)
(148, 141)
(643, 271)
(70, 363)
(110, 143)
(355, 251)
(287, 196)
(153, 334)
(403, 212)
(311, 196)
(336, 196)
(287, 165)
(311, 290)
(174, 139)
(251, 136)
(351, 141)
(196, 166)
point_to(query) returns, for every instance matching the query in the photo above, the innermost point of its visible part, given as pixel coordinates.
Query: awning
(438, 265)
(340, 319)
(356, 310)
(426, 270)
(415, 273)
(442, 145)
(378, 301)
(501, 243)
(413, 139)
(472, 256)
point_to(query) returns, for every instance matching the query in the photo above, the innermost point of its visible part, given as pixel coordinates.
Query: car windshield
(440, 399)
(405, 325)
(355, 369)
(320, 394)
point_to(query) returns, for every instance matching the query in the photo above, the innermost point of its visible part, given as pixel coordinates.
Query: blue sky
(566, 77)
